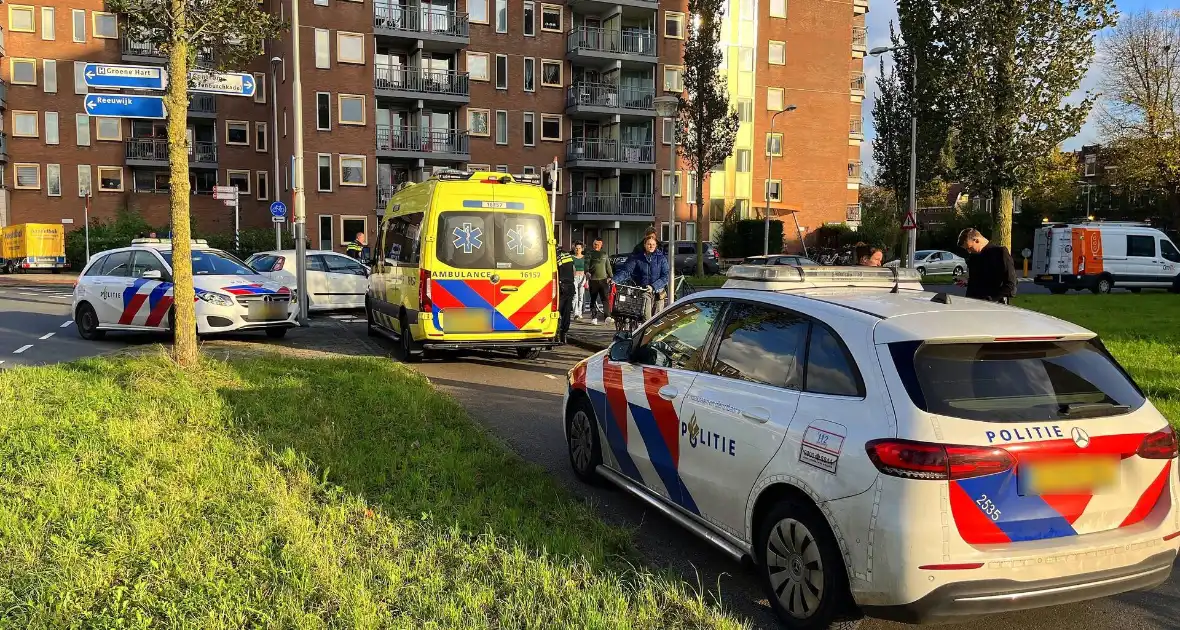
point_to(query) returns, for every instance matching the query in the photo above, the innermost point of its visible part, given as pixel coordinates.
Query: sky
(882, 12)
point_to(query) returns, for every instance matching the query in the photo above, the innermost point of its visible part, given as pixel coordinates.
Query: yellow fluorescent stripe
(512, 302)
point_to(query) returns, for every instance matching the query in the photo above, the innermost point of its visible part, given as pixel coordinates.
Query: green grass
(938, 278)
(1142, 331)
(292, 493)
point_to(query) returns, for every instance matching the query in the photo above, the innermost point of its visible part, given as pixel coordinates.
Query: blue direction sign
(116, 76)
(230, 83)
(124, 106)
(278, 209)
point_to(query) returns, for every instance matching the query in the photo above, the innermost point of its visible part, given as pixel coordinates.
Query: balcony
(384, 192)
(610, 206)
(853, 212)
(2, 48)
(202, 106)
(600, 153)
(860, 6)
(598, 100)
(412, 143)
(593, 46)
(3, 148)
(857, 84)
(860, 40)
(147, 52)
(437, 29)
(154, 152)
(3, 95)
(854, 172)
(412, 84)
(856, 129)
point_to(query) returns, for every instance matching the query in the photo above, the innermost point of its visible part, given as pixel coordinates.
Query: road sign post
(229, 195)
(124, 106)
(278, 214)
(104, 75)
(227, 83)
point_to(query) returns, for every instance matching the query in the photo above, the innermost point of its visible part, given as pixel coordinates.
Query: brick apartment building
(394, 91)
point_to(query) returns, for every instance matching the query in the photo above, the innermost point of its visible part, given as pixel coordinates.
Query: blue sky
(882, 12)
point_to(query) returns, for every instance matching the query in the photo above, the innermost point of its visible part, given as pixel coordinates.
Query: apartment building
(391, 92)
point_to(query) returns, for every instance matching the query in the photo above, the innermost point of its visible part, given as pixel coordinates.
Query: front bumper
(213, 319)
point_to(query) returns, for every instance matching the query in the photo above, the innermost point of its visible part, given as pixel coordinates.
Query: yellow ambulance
(465, 261)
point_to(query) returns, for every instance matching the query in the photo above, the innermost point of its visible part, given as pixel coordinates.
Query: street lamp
(273, 139)
(912, 241)
(769, 176)
(666, 107)
(298, 199)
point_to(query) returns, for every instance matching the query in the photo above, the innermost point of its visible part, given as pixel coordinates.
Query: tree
(233, 31)
(707, 125)
(1053, 185)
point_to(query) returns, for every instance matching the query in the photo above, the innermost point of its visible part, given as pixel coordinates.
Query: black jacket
(992, 274)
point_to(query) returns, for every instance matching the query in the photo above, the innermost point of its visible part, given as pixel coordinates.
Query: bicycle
(630, 306)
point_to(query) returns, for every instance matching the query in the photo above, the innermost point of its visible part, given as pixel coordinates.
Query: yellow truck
(33, 247)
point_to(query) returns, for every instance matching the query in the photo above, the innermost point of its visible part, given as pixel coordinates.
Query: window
(674, 24)
(323, 54)
(477, 122)
(320, 3)
(106, 25)
(1168, 251)
(21, 19)
(551, 73)
(530, 132)
(51, 130)
(323, 111)
(24, 124)
(778, 8)
(352, 109)
(28, 176)
(501, 16)
(1143, 246)
(477, 66)
(117, 265)
(48, 32)
(239, 180)
(1091, 163)
(666, 129)
(352, 170)
(746, 59)
(343, 264)
(530, 19)
(82, 129)
(745, 110)
(774, 99)
(324, 179)
(501, 72)
(690, 193)
(774, 190)
(501, 168)
(551, 18)
(673, 79)
(53, 180)
(350, 47)
(237, 132)
(831, 369)
(80, 77)
(23, 71)
(110, 179)
(477, 11)
(49, 75)
(84, 180)
(501, 126)
(743, 160)
(670, 181)
(777, 53)
(260, 87)
(478, 167)
(530, 74)
(262, 185)
(481, 239)
(109, 129)
(143, 262)
(551, 127)
(261, 137)
(79, 17)
(677, 338)
(399, 239)
(762, 345)
(774, 144)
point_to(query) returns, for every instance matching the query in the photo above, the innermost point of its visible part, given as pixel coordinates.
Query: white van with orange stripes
(875, 448)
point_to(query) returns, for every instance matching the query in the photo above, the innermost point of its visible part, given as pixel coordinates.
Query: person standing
(353, 249)
(565, 293)
(599, 269)
(579, 279)
(648, 270)
(991, 274)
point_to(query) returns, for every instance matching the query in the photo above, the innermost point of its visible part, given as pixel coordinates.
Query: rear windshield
(1016, 381)
(263, 263)
(212, 262)
(480, 239)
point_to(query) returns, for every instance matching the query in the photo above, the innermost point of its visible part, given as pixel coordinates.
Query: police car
(875, 448)
(131, 289)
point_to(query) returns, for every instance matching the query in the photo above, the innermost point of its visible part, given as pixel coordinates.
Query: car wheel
(582, 438)
(801, 567)
(958, 271)
(1058, 290)
(371, 325)
(87, 321)
(276, 333)
(1103, 286)
(921, 271)
(406, 341)
(528, 353)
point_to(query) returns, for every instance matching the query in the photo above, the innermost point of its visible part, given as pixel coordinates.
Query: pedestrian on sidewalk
(579, 279)
(991, 274)
(565, 293)
(648, 270)
(599, 269)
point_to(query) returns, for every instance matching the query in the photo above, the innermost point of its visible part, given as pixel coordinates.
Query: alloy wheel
(795, 568)
(581, 440)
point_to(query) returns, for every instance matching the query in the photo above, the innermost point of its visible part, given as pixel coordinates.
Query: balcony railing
(203, 152)
(857, 83)
(609, 95)
(420, 20)
(148, 49)
(202, 104)
(4, 145)
(860, 37)
(384, 192)
(156, 150)
(422, 140)
(606, 150)
(856, 126)
(854, 170)
(853, 212)
(389, 77)
(612, 204)
(612, 41)
(3, 93)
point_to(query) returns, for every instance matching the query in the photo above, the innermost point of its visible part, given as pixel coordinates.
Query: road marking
(25, 293)
(340, 316)
(47, 336)
(67, 324)
(62, 295)
(551, 377)
(22, 349)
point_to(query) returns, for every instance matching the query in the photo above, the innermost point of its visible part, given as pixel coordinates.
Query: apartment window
(21, 19)
(350, 47)
(530, 129)
(1091, 166)
(530, 19)
(670, 181)
(323, 111)
(690, 194)
(106, 25)
(501, 72)
(477, 121)
(477, 11)
(777, 53)
(501, 16)
(110, 179)
(24, 124)
(551, 73)
(744, 160)
(530, 74)
(673, 78)
(109, 129)
(774, 99)
(774, 144)
(323, 53)
(259, 87)
(83, 180)
(80, 77)
(528, 170)
(477, 66)
(53, 180)
(475, 168)
(51, 131)
(23, 71)
(320, 3)
(48, 31)
(79, 22)
(261, 137)
(49, 75)
(746, 59)
(28, 176)
(551, 18)
(501, 168)
(774, 189)
(352, 109)
(324, 175)
(352, 170)
(501, 126)
(745, 110)
(778, 8)
(551, 127)
(666, 129)
(82, 129)
(674, 24)
(262, 185)
(239, 180)
(237, 132)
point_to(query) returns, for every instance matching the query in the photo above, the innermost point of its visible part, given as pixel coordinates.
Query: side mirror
(152, 274)
(620, 350)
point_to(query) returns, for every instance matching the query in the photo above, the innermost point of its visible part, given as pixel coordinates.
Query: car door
(116, 293)
(1171, 261)
(737, 411)
(152, 285)
(347, 281)
(90, 285)
(317, 283)
(1142, 261)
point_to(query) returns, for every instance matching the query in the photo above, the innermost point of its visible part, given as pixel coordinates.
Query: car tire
(801, 568)
(405, 339)
(87, 321)
(1058, 290)
(370, 326)
(922, 271)
(582, 442)
(1103, 285)
(528, 353)
(958, 271)
(276, 333)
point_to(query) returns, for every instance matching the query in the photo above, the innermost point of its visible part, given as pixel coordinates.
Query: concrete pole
(298, 202)
(274, 141)
(672, 220)
(912, 241)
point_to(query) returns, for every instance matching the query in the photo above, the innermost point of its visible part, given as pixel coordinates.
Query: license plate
(1046, 277)
(1080, 475)
(268, 311)
(467, 320)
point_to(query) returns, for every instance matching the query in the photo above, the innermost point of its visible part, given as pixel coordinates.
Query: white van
(1102, 255)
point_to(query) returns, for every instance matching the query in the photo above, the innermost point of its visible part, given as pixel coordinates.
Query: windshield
(922, 254)
(1015, 381)
(212, 262)
(479, 239)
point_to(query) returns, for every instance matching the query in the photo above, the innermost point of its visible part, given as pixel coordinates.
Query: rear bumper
(962, 601)
(1067, 281)
(490, 345)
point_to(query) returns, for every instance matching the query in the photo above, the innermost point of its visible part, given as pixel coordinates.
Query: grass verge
(293, 493)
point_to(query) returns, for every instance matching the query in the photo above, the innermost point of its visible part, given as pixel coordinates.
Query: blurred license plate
(1080, 475)
(467, 320)
(1046, 277)
(268, 311)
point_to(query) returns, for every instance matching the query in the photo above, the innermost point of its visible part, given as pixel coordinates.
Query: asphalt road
(36, 327)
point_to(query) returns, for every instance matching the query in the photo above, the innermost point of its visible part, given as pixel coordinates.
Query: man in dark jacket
(991, 274)
(565, 293)
(649, 270)
(650, 231)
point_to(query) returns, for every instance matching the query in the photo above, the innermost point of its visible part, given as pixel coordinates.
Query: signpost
(278, 214)
(124, 106)
(229, 83)
(229, 195)
(117, 76)
(909, 223)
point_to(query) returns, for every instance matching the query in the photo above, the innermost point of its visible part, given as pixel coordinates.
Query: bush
(744, 237)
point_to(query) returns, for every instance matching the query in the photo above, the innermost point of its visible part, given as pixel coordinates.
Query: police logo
(1080, 437)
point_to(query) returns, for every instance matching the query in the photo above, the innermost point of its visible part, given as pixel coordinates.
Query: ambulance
(465, 260)
(1100, 256)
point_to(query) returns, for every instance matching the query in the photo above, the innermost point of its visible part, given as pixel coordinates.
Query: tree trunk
(1002, 231)
(700, 189)
(184, 345)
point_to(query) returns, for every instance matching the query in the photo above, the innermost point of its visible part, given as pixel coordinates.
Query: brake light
(279, 260)
(918, 460)
(424, 303)
(1158, 445)
(553, 296)
(1033, 338)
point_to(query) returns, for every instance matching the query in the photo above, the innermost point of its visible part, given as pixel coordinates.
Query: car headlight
(216, 299)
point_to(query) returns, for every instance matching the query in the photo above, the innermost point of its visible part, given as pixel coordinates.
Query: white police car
(130, 289)
(877, 448)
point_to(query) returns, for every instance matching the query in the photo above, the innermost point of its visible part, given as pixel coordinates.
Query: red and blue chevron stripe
(483, 294)
(156, 294)
(250, 289)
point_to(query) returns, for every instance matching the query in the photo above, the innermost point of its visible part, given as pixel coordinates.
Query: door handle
(760, 415)
(668, 392)
(509, 289)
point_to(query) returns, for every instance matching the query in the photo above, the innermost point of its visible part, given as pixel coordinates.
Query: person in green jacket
(600, 272)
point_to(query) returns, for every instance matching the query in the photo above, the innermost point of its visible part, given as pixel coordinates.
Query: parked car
(686, 257)
(334, 281)
(932, 261)
(1100, 256)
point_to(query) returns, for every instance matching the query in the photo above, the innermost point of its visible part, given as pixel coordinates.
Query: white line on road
(47, 336)
(340, 316)
(67, 324)
(22, 349)
(551, 377)
(32, 294)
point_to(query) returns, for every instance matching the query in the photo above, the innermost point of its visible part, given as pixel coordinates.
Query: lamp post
(769, 176)
(912, 241)
(298, 201)
(666, 107)
(274, 139)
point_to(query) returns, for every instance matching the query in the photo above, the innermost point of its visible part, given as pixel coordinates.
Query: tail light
(918, 460)
(279, 261)
(553, 297)
(424, 303)
(1158, 445)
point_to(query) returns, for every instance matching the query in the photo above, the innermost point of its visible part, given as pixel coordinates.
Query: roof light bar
(822, 276)
(165, 241)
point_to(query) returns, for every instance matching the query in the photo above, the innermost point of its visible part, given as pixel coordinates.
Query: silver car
(937, 261)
